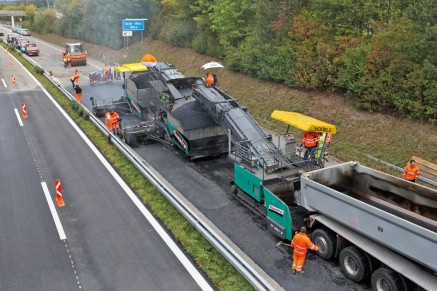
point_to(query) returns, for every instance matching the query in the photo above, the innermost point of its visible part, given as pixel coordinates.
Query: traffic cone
(59, 198)
(10, 62)
(23, 106)
(14, 80)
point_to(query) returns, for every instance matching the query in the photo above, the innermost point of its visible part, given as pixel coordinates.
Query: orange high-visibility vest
(310, 139)
(301, 243)
(411, 172)
(210, 79)
(115, 123)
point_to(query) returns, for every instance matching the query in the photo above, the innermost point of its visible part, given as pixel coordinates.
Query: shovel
(282, 243)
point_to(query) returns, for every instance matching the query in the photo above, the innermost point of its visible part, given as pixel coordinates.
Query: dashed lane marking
(18, 117)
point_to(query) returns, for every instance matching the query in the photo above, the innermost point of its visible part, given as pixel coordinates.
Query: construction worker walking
(78, 90)
(411, 171)
(301, 243)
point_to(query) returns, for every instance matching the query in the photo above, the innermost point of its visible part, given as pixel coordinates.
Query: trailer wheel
(385, 279)
(354, 264)
(325, 240)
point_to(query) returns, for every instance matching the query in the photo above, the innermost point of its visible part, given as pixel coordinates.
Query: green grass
(223, 275)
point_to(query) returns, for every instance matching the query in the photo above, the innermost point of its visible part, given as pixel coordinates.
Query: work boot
(294, 272)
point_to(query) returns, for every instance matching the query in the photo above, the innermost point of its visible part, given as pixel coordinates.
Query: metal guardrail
(253, 277)
(424, 179)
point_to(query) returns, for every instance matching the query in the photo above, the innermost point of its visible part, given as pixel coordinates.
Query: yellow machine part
(303, 122)
(131, 68)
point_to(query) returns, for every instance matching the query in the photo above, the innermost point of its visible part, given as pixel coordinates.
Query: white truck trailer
(379, 226)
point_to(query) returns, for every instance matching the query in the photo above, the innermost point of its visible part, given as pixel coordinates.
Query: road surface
(104, 242)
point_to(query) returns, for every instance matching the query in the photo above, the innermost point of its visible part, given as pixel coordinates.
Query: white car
(25, 32)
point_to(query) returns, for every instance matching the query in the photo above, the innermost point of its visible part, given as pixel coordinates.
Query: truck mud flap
(276, 228)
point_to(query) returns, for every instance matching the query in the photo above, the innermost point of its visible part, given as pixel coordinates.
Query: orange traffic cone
(59, 198)
(23, 106)
(14, 80)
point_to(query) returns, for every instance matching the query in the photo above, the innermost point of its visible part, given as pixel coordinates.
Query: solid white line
(203, 284)
(4, 83)
(18, 117)
(53, 211)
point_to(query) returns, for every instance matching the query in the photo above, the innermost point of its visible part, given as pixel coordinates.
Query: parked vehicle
(99, 77)
(1, 32)
(31, 49)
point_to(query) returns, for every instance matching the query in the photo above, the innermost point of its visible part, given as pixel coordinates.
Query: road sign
(133, 24)
(127, 33)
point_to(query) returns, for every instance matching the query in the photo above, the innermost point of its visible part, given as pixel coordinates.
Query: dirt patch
(387, 137)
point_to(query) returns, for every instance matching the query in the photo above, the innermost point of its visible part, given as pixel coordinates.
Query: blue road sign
(133, 24)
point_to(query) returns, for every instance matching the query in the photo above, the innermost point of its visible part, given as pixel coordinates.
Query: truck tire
(355, 264)
(326, 241)
(385, 279)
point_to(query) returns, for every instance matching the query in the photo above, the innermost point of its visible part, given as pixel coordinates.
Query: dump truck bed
(398, 214)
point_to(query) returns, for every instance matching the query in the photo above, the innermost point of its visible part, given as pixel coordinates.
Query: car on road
(1, 32)
(10, 38)
(20, 41)
(25, 32)
(31, 49)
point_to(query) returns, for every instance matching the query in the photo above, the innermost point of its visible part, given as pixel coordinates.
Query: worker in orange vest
(411, 171)
(106, 70)
(210, 79)
(310, 141)
(108, 120)
(115, 120)
(301, 243)
(78, 90)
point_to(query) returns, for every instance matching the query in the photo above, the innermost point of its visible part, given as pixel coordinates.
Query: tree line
(380, 54)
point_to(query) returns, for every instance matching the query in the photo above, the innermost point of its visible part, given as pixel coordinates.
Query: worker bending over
(301, 243)
(411, 171)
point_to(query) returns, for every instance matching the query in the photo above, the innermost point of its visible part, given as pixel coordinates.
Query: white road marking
(4, 83)
(53, 211)
(18, 117)
(203, 284)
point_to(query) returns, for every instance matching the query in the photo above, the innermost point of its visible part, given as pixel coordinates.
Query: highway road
(101, 239)
(205, 184)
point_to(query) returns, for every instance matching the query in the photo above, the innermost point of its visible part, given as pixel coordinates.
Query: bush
(180, 34)
(39, 70)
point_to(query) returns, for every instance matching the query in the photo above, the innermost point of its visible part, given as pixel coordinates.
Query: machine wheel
(354, 264)
(130, 139)
(385, 279)
(325, 240)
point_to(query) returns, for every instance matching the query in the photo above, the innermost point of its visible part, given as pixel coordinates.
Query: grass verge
(223, 275)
